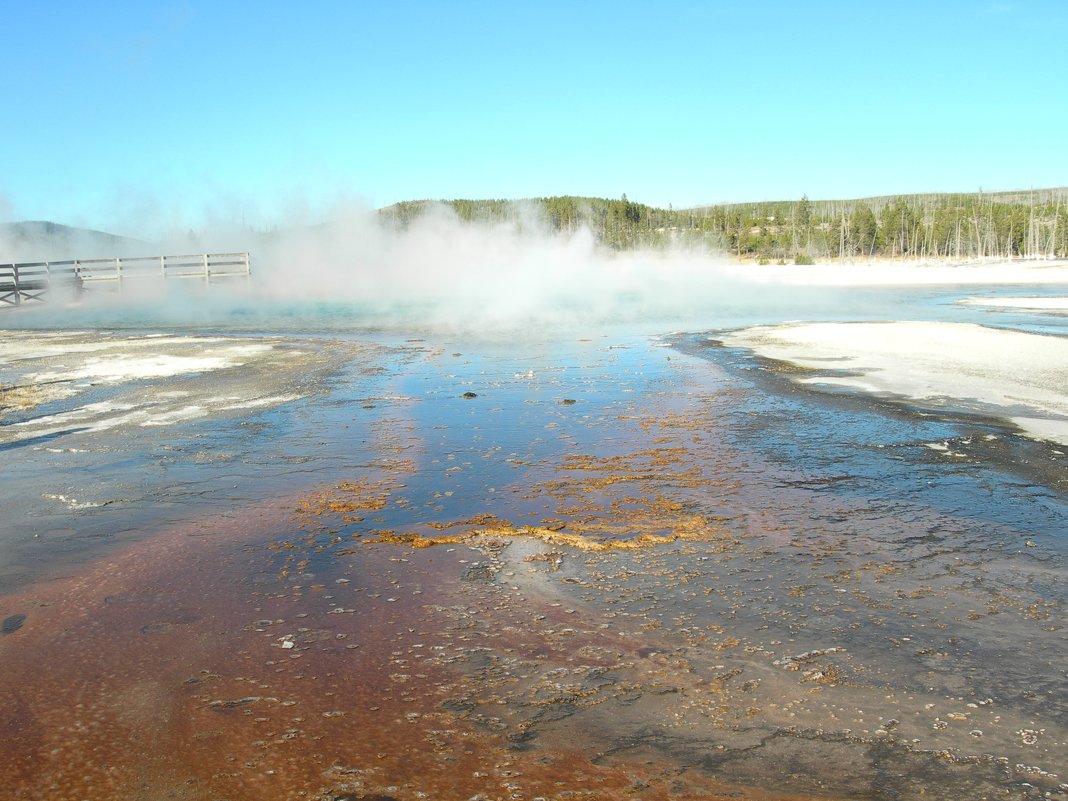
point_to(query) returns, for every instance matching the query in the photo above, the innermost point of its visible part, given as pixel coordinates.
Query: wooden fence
(32, 281)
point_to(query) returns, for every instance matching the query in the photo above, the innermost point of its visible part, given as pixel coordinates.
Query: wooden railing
(31, 281)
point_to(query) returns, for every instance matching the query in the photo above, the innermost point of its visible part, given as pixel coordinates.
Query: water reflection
(825, 606)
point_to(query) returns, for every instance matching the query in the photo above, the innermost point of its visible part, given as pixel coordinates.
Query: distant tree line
(616, 224)
(935, 226)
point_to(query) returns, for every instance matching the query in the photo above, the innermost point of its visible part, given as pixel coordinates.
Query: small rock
(12, 623)
(470, 395)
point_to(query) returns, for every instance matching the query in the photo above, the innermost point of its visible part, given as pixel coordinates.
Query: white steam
(439, 272)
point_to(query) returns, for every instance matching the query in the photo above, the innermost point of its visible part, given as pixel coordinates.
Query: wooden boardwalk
(33, 281)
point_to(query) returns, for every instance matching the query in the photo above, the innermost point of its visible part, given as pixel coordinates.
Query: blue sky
(120, 110)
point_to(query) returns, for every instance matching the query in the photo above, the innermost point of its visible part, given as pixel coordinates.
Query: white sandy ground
(64, 367)
(1017, 376)
(1032, 304)
(77, 360)
(119, 369)
(23, 345)
(884, 273)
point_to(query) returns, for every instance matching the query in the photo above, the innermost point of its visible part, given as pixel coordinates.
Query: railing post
(163, 266)
(118, 272)
(207, 272)
(18, 291)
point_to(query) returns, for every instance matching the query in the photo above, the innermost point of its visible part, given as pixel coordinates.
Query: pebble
(12, 623)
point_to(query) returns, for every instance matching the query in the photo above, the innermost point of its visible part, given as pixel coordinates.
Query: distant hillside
(961, 225)
(1014, 197)
(1022, 223)
(1030, 223)
(617, 224)
(40, 240)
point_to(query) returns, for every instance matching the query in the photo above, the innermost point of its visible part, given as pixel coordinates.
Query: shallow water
(661, 572)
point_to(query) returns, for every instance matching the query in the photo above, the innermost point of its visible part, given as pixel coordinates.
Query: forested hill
(964, 226)
(922, 226)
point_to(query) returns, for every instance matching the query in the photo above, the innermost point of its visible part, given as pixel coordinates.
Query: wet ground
(571, 567)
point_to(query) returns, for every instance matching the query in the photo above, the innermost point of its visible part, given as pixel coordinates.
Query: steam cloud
(439, 272)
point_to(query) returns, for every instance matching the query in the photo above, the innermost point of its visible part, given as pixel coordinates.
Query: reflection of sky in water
(877, 450)
(846, 531)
